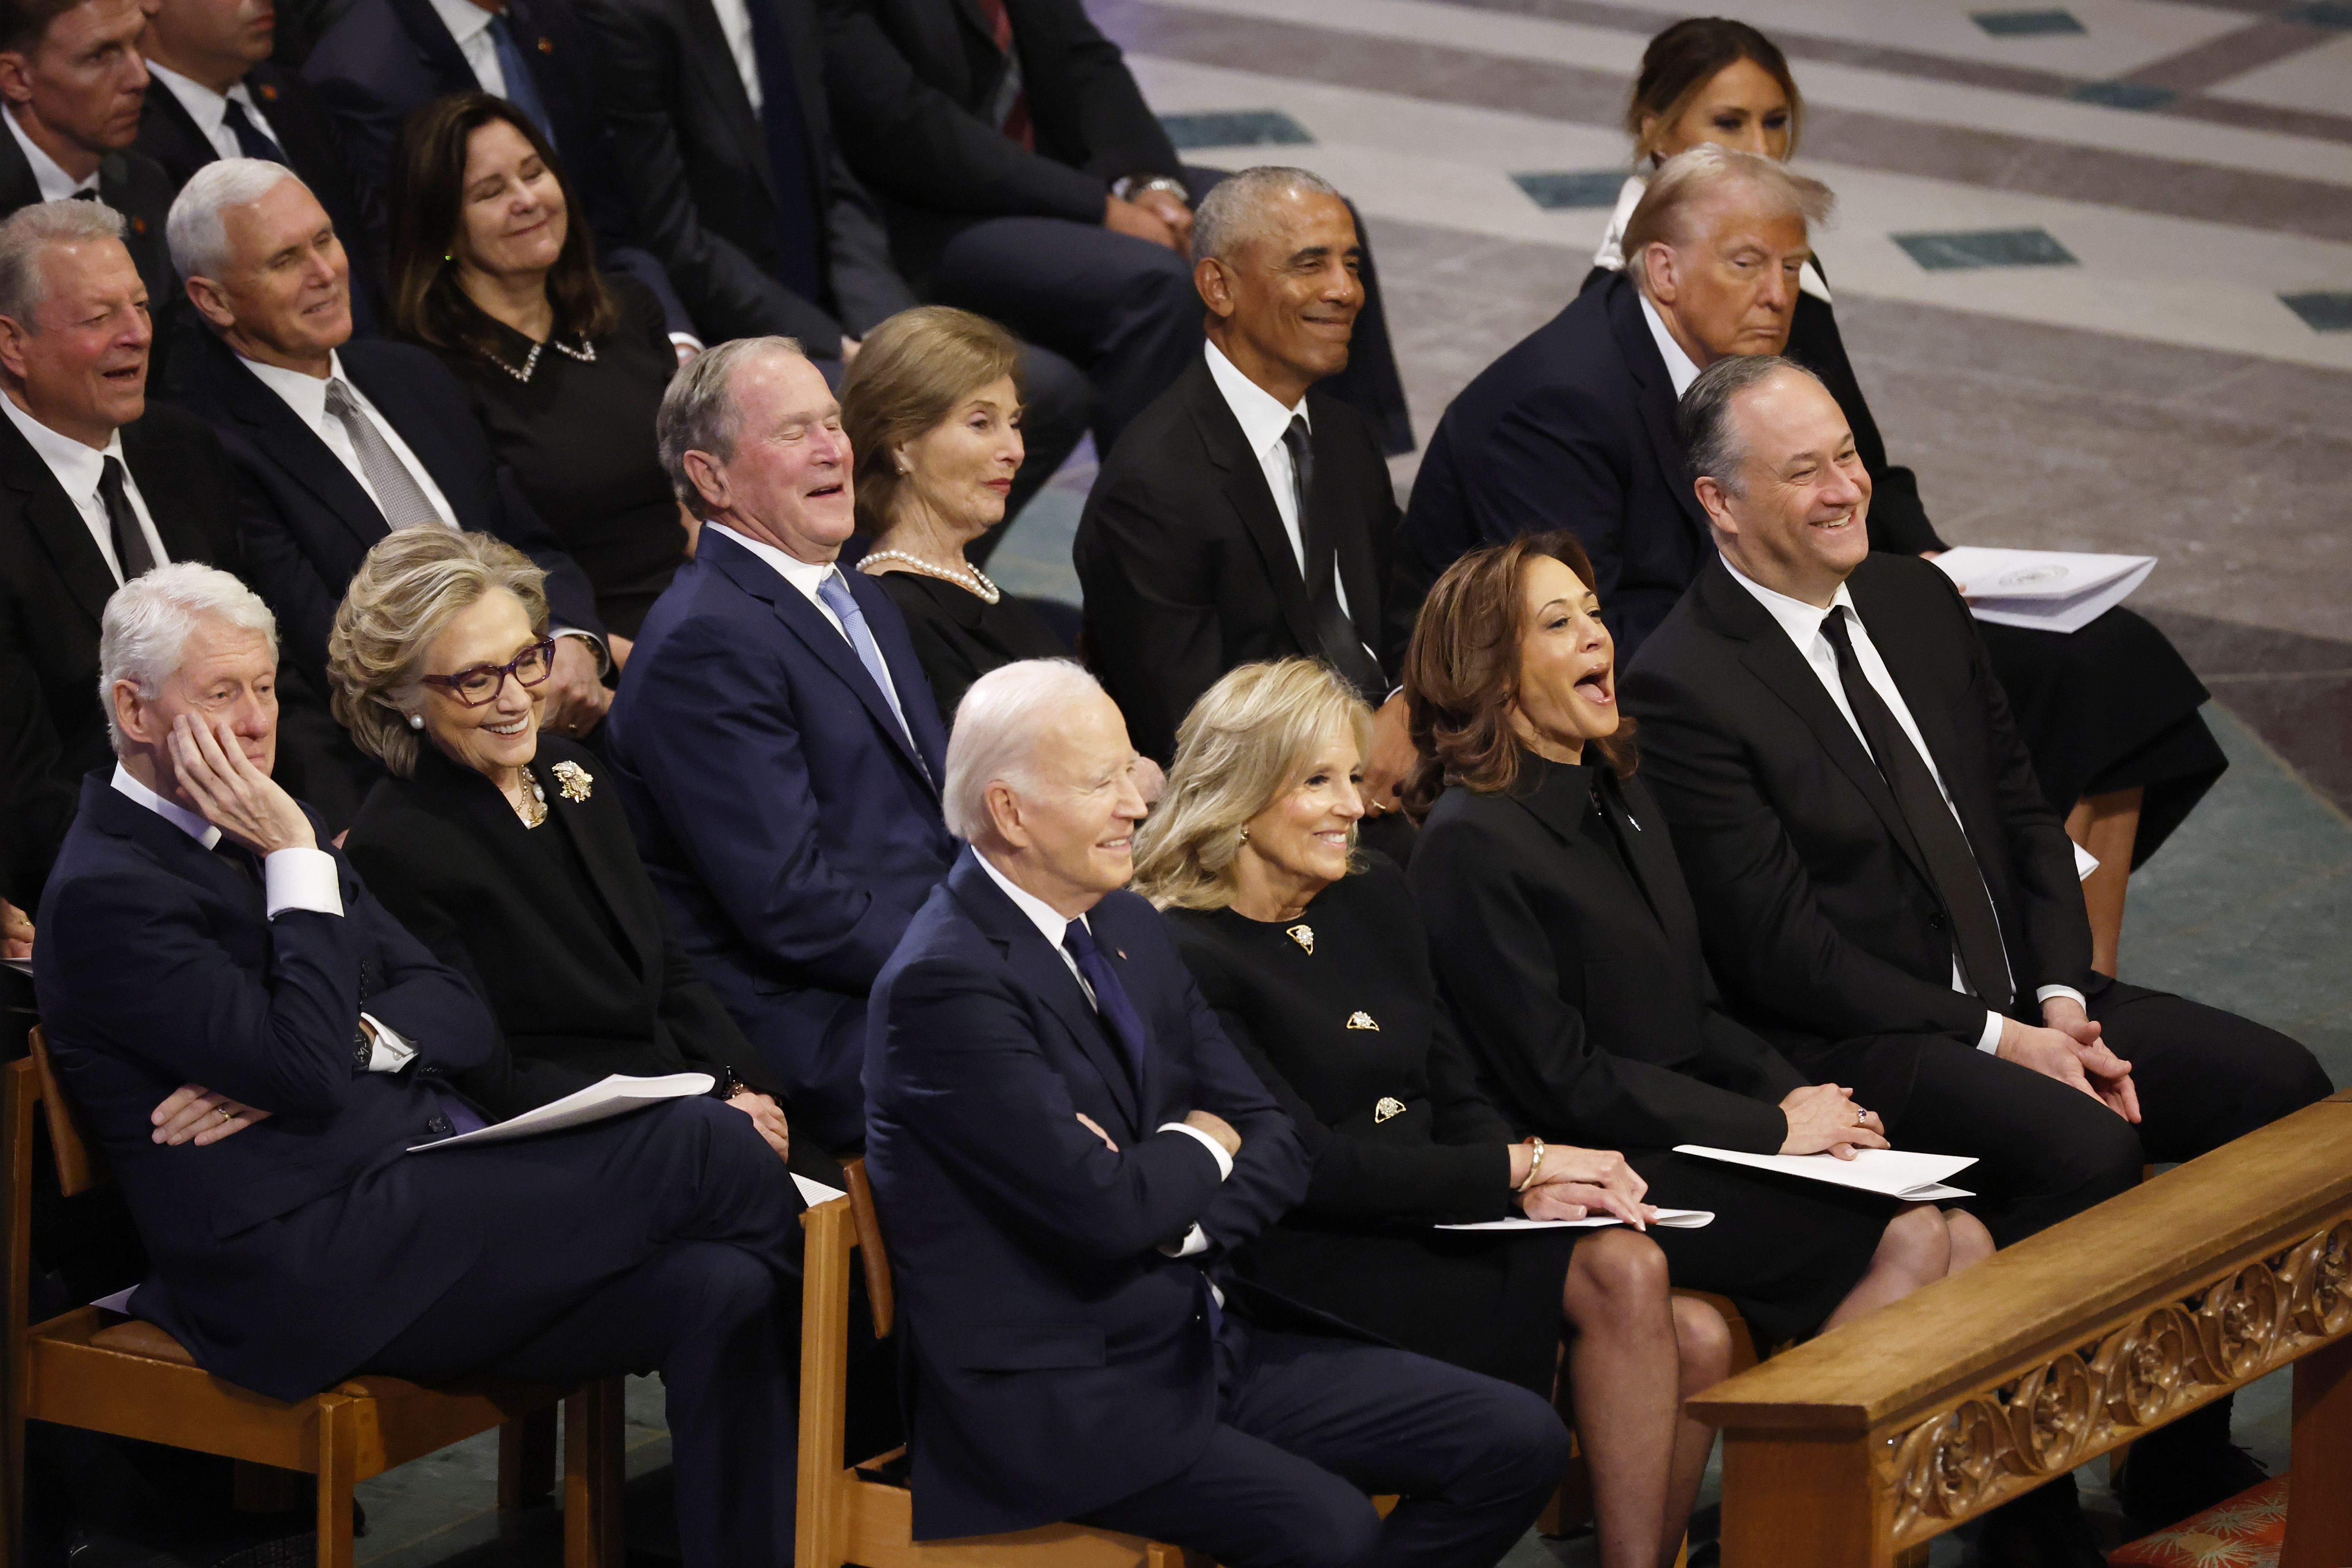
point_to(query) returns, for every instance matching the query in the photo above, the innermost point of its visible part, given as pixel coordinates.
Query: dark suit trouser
(2046, 1150)
(1309, 1428)
(667, 1238)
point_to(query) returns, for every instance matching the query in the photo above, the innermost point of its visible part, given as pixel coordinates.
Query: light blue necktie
(834, 590)
(522, 88)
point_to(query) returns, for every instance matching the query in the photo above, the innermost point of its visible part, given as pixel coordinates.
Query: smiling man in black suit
(1870, 855)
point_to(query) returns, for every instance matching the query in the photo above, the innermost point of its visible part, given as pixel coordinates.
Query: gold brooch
(572, 780)
(1388, 1107)
(1362, 1021)
(1304, 935)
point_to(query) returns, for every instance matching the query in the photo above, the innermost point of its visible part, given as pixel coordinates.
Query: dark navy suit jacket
(787, 821)
(285, 1256)
(305, 523)
(1573, 429)
(1061, 1361)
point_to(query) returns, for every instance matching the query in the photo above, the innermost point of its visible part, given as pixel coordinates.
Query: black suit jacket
(314, 150)
(1817, 910)
(694, 159)
(1581, 989)
(286, 1256)
(1573, 429)
(1061, 1360)
(305, 523)
(1187, 569)
(54, 584)
(913, 82)
(136, 187)
(446, 854)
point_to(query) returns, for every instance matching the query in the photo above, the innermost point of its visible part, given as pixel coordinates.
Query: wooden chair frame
(103, 1372)
(848, 1515)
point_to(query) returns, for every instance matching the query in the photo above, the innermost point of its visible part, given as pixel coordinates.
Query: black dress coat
(558, 927)
(1392, 1115)
(1560, 935)
(136, 187)
(54, 584)
(959, 637)
(579, 439)
(1187, 569)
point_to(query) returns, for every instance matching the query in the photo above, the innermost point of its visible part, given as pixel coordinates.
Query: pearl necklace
(585, 353)
(971, 578)
(532, 811)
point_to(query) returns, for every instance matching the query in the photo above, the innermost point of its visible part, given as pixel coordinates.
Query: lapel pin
(546, 45)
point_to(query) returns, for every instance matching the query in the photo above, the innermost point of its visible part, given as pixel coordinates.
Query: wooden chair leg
(338, 1469)
(593, 1533)
(2319, 1513)
(526, 1459)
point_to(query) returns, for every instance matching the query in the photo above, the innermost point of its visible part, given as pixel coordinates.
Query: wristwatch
(729, 1085)
(1127, 185)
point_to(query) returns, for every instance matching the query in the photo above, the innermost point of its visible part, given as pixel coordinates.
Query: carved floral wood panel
(1992, 1445)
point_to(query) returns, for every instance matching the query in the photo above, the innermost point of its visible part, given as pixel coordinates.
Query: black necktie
(797, 264)
(1958, 880)
(1335, 634)
(249, 138)
(1110, 997)
(130, 552)
(90, 194)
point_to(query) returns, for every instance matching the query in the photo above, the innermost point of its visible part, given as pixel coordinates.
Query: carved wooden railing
(1856, 1449)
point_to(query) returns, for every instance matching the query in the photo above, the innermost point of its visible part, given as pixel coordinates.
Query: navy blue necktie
(1110, 997)
(522, 88)
(798, 267)
(250, 139)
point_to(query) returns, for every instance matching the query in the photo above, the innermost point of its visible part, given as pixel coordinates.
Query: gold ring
(221, 1111)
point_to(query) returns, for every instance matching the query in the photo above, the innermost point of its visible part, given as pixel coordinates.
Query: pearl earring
(417, 720)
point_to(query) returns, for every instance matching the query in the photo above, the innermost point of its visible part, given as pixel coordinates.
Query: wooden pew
(1856, 1449)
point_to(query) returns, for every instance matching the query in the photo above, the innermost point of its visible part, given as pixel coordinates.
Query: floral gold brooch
(573, 780)
(1361, 1021)
(1304, 935)
(1389, 1106)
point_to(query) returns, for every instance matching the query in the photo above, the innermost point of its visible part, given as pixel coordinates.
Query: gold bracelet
(1533, 1165)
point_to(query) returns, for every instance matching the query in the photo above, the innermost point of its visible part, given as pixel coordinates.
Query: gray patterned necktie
(397, 494)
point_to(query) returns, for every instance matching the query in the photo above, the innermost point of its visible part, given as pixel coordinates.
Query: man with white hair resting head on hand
(1057, 1128)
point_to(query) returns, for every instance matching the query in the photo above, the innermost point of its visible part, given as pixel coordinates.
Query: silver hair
(148, 621)
(1229, 216)
(29, 234)
(998, 724)
(1687, 177)
(1703, 418)
(195, 231)
(700, 413)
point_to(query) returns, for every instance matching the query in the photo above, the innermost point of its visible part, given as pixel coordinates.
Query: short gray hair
(1703, 418)
(700, 414)
(1688, 177)
(29, 234)
(146, 630)
(998, 724)
(195, 230)
(1230, 214)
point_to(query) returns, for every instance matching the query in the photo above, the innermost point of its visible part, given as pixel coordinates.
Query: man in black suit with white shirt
(1247, 515)
(95, 486)
(1869, 852)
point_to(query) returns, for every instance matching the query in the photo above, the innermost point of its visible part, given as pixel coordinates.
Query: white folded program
(2043, 590)
(612, 1097)
(1676, 1219)
(1896, 1172)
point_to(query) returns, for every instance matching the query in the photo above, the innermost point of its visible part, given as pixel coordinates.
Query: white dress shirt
(292, 878)
(306, 395)
(55, 184)
(1262, 421)
(1803, 622)
(209, 110)
(735, 23)
(469, 25)
(78, 470)
(1612, 251)
(1681, 369)
(1053, 928)
(807, 577)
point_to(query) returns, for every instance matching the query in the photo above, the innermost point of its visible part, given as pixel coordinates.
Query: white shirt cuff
(301, 879)
(686, 340)
(603, 654)
(390, 1051)
(2068, 992)
(1217, 1150)
(1990, 1040)
(1195, 1240)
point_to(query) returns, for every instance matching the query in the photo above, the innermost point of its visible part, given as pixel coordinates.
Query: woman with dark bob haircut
(565, 365)
(1563, 939)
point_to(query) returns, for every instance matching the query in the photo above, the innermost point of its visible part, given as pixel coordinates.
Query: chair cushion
(2244, 1531)
(138, 1337)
